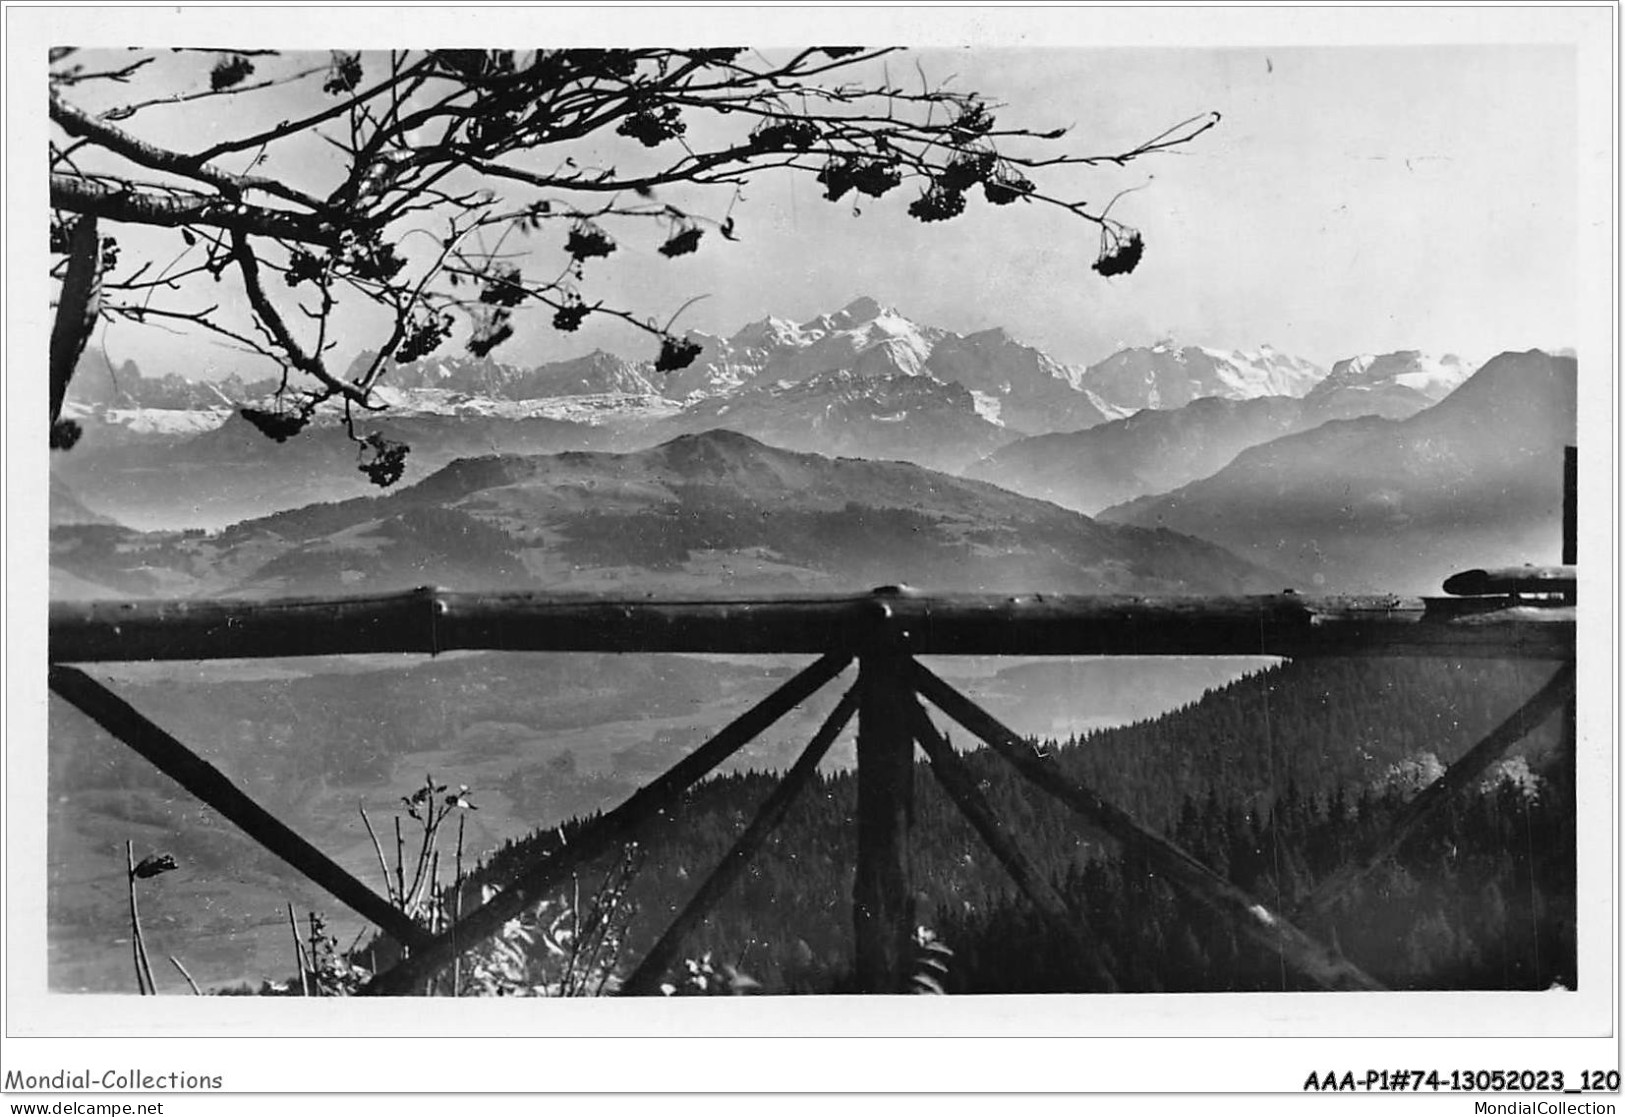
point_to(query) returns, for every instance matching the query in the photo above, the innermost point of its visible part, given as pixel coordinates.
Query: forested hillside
(1271, 781)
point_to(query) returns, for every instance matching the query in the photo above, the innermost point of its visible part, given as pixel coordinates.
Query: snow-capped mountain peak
(1166, 374)
(768, 331)
(1433, 376)
(855, 313)
(864, 336)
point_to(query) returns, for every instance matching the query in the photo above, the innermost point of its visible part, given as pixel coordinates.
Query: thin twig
(315, 950)
(457, 909)
(122, 75)
(568, 985)
(136, 948)
(298, 953)
(400, 875)
(177, 964)
(124, 112)
(436, 905)
(383, 867)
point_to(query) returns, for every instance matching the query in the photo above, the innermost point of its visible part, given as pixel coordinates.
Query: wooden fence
(1524, 613)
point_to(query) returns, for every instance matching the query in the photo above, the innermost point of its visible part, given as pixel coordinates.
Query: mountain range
(1162, 435)
(1011, 385)
(713, 512)
(1388, 383)
(1165, 375)
(596, 373)
(1156, 450)
(1375, 504)
(892, 417)
(864, 382)
(233, 472)
(97, 385)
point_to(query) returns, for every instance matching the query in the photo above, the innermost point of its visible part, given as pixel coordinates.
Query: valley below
(538, 738)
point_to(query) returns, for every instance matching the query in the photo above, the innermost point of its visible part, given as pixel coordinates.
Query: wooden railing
(1519, 623)
(1524, 613)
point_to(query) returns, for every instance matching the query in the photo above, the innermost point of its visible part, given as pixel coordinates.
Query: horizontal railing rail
(433, 621)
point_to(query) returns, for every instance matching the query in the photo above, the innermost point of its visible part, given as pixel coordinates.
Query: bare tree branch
(451, 144)
(271, 319)
(76, 122)
(76, 75)
(78, 194)
(305, 124)
(124, 112)
(201, 318)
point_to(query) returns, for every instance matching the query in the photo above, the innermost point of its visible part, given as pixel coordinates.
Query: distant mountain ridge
(1166, 376)
(1388, 383)
(97, 385)
(233, 472)
(595, 373)
(1373, 505)
(842, 414)
(1433, 377)
(701, 513)
(1012, 384)
(66, 507)
(864, 381)
(1156, 450)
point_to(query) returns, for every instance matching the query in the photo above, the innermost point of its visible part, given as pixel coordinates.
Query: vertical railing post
(1571, 505)
(1567, 757)
(883, 891)
(1567, 776)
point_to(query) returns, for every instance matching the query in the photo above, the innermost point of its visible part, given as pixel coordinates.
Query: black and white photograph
(860, 521)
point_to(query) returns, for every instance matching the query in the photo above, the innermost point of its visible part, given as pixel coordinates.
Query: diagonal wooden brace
(1557, 693)
(1250, 918)
(209, 784)
(960, 785)
(644, 980)
(616, 826)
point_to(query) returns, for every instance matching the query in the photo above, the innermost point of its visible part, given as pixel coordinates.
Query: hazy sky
(1353, 199)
